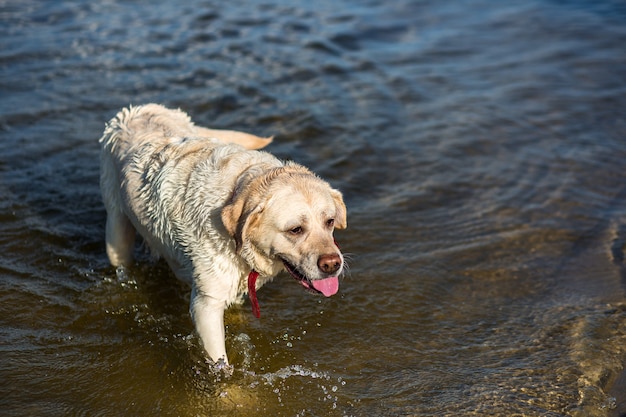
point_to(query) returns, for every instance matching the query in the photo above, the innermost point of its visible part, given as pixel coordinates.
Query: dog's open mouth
(327, 286)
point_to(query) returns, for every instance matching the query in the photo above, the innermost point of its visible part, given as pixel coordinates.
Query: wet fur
(213, 207)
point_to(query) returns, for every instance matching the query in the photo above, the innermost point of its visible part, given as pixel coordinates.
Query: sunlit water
(481, 148)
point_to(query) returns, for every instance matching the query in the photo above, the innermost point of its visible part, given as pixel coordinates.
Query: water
(480, 146)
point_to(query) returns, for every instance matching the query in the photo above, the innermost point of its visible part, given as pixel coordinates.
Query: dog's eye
(330, 222)
(296, 230)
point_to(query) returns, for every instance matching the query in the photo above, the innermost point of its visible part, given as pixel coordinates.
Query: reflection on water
(480, 146)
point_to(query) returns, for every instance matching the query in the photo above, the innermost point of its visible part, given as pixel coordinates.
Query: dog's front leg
(208, 315)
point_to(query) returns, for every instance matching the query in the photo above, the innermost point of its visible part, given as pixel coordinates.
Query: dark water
(481, 147)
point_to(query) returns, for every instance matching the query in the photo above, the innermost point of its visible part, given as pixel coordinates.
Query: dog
(225, 216)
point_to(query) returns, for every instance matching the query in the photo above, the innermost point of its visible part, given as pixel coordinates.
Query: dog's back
(138, 145)
(136, 124)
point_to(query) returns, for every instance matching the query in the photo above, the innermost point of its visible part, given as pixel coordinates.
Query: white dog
(225, 217)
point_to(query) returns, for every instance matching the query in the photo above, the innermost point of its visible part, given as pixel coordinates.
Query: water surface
(480, 146)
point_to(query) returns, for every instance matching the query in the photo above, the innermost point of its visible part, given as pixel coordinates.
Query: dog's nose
(329, 263)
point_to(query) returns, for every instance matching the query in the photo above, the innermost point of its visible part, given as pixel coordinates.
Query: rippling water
(480, 146)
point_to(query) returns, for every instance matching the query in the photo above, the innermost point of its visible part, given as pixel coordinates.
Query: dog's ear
(238, 219)
(341, 215)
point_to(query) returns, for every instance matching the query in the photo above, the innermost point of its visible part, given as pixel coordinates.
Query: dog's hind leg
(120, 238)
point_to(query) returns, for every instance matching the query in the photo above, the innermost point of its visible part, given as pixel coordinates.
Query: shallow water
(480, 146)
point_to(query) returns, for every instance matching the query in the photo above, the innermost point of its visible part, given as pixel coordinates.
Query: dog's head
(286, 218)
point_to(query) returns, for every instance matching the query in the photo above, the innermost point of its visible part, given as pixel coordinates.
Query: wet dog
(226, 217)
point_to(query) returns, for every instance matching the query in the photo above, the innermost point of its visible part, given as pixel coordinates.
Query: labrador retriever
(225, 216)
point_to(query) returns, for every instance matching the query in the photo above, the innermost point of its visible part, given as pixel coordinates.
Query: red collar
(256, 310)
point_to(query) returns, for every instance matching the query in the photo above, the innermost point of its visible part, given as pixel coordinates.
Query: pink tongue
(327, 286)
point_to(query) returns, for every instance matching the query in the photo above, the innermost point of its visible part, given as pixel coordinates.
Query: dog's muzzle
(327, 286)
